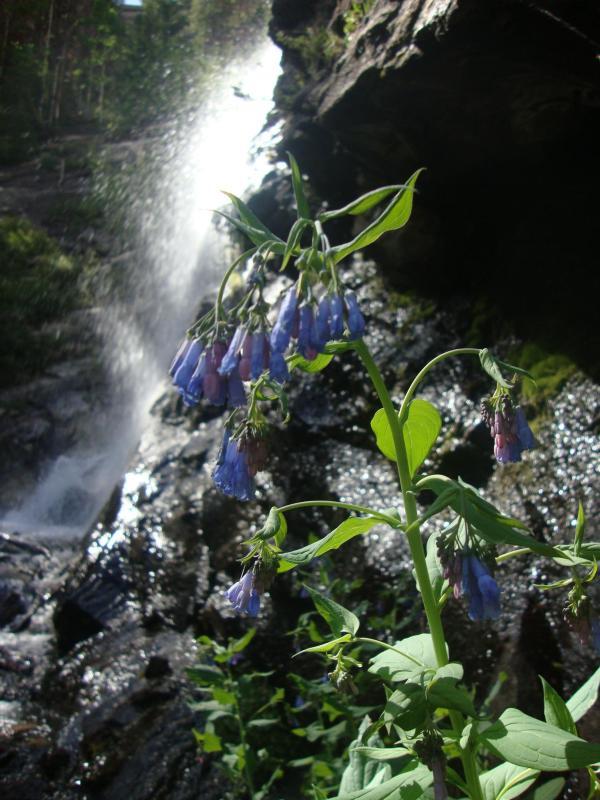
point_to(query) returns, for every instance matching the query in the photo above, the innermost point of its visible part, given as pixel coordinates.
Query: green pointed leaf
(491, 366)
(434, 567)
(316, 365)
(384, 753)
(491, 525)
(549, 791)
(585, 697)
(414, 655)
(383, 434)
(361, 772)
(223, 697)
(363, 203)
(506, 781)
(529, 742)
(395, 216)
(406, 707)
(339, 619)
(262, 723)
(256, 235)
(205, 675)
(579, 530)
(208, 741)
(326, 646)
(513, 368)
(293, 241)
(555, 709)
(420, 431)
(451, 670)
(445, 693)
(351, 527)
(249, 218)
(243, 642)
(297, 183)
(409, 785)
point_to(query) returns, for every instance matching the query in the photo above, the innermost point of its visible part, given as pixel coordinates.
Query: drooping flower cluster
(312, 324)
(469, 575)
(509, 429)
(480, 588)
(239, 460)
(196, 373)
(244, 596)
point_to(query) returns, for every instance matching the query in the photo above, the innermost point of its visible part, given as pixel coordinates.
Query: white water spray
(179, 259)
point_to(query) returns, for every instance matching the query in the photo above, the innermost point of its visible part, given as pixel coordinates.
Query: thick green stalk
(415, 542)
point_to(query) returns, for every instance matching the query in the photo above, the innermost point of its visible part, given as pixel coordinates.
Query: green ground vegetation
(65, 62)
(39, 284)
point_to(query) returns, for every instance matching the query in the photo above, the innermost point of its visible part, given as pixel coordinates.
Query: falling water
(178, 258)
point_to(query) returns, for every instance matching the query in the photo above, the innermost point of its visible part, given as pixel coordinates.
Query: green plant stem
(391, 521)
(219, 301)
(459, 351)
(432, 610)
(246, 749)
(520, 551)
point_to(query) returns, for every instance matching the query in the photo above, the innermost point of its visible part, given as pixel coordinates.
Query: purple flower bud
(259, 358)
(306, 334)
(336, 320)
(323, 334)
(236, 396)
(232, 356)
(524, 433)
(179, 356)
(214, 385)
(356, 321)
(480, 588)
(243, 595)
(193, 391)
(282, 330)
(231, 474)
(278, 367)
(215, 388)
(188, 364)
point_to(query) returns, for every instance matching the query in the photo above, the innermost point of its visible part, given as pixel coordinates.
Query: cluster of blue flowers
(312, 325)
(214, 367)
(196, 372)
(244, 596)
(470, 577)
(238, 462)
(509, 430)
(480, 589)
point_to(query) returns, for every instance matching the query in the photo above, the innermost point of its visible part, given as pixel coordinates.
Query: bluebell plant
(242, 354)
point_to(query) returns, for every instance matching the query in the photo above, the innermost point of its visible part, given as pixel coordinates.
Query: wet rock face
(105, 707)
(496, 100)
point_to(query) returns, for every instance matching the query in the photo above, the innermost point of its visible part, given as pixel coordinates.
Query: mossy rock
(38, 285)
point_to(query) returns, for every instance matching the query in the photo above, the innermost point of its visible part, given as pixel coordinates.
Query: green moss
(38, 285)
(550, 370)
(316, 49)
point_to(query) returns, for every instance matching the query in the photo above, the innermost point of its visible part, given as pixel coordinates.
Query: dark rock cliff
(501, 102)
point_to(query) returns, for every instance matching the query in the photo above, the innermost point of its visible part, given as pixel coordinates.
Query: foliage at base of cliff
(38, 286)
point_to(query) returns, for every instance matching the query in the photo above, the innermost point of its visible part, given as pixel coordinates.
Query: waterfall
(178, 259)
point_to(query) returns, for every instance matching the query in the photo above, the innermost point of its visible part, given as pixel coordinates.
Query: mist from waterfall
(177, 258)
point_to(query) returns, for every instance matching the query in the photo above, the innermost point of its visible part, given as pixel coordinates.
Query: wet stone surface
(96, 637)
